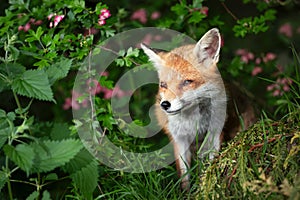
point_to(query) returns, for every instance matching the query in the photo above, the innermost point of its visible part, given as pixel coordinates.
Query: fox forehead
(176, 67)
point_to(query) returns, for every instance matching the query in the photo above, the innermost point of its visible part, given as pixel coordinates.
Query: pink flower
(101, 22)
(38, 22)
(20, 28)
(256, 70)
(50, 16)
(286, 29)
(140, 15)
(280, 86)
(257, 61)
(155, 15)
(72, 102)
(269, 57)
(245, 55)
(204, 10)
(57, 19)
(26, 27)
(105, 13)
(94, 86)
(240, 52)
(298, 30)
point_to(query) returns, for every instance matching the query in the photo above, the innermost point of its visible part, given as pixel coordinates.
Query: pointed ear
(153, 57)
(208, 47)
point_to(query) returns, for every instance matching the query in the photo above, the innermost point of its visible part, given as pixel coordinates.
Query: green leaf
(83, 171)
(33, 196)
(33, 84)
(86, 179)
(46, 195)
(58, 70)
(3, 179)
(179, 9)
(60, 131)
(81, 160)
(22, 155)
(53, 154)
(4, 134)
(196, 17)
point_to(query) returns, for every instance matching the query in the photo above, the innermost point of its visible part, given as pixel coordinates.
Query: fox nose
(165, 105)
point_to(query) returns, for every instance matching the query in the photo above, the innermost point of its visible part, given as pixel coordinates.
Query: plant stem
(9, 190)
(8, 181)
(17, 101)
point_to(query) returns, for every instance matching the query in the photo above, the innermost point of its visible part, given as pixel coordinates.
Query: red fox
(192, 99)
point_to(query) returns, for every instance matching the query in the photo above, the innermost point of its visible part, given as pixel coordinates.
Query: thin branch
(229, 12)
(261, 144)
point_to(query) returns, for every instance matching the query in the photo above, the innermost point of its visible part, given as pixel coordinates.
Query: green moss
(260, 163)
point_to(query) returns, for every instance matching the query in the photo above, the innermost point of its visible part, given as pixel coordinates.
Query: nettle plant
(45, 43)
(42, 43)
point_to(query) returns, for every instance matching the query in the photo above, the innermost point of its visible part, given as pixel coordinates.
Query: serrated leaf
(22, 155)
(33, 196)
(86, 179)
(196, 17)
(60, 131)
(58, 70)
(4, 133)
(53, 154)
(3, 179)
(12, 69)
(33, 84)
(81, 160)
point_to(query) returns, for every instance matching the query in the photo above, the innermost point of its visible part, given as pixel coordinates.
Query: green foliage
(33, 84)
(38, 63)
(254, 25)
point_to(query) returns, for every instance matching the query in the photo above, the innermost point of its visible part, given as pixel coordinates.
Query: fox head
(188, 74)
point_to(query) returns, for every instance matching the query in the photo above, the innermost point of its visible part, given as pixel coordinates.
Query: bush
(46, 44)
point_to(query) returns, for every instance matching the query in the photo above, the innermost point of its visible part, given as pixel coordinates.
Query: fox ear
(208, 47)
(153, 57)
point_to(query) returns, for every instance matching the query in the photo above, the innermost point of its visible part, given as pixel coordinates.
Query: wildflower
(204, 10)
(26, 27)
(256, 70)
(269, 57)
(245, 55)
(20, 28)
(57, 19)
(140, 15)
(101, 22)
(257, 61)
(280, 86)
(286, 29)
(72, 102)
(155, 15)
(38, 22)
(104, 14)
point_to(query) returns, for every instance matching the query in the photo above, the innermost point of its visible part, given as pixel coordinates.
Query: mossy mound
(260, 163)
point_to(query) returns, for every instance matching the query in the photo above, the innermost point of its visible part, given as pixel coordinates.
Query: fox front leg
(183, 161)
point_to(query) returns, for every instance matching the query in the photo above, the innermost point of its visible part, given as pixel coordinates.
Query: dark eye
(163, 85)
(187, 82)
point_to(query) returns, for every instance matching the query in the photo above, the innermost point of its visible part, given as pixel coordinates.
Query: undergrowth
(260, 163)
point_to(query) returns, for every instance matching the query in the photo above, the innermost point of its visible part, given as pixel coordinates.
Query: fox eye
(187, 82)
(163, 85)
